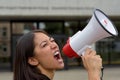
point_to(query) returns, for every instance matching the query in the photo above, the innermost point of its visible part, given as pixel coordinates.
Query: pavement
(110, 73)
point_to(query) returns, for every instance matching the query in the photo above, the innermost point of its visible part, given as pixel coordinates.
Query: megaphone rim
(108, 19)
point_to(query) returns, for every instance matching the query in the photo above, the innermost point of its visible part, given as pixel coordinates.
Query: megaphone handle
(82, 52)
(101, 77)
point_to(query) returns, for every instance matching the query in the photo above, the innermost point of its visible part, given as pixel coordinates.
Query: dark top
(44, 77)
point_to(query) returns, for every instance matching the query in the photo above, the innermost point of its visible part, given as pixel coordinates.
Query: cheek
(46, 61)
(41, 54)
(44, 58)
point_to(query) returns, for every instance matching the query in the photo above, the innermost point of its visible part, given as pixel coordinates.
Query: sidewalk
(110, 73)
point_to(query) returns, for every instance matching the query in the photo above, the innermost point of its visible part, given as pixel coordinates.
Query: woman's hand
(92, 63)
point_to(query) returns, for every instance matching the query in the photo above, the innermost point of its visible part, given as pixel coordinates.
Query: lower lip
(59, 60)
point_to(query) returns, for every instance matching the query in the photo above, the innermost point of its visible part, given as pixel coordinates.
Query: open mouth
(57, 55)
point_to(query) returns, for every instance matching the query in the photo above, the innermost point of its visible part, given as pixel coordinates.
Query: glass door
(5, 43)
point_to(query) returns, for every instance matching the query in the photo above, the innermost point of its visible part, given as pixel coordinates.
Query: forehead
(40, 36)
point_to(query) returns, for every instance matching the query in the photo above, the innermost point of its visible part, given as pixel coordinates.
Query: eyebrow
(50, 38)
(45, 40)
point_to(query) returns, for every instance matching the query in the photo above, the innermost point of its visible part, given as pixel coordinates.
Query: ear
(33, 61)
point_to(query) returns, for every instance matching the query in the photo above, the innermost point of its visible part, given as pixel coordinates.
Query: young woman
(38, 56)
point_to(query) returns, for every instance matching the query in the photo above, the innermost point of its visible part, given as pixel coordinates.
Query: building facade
(60, 18)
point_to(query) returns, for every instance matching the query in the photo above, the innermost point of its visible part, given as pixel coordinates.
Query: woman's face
(47, 52)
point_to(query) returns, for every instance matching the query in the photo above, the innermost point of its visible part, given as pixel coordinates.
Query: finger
(82, 57)
(90, 52)
(98, 56)
(93, 52)
(83, 60)
(87, 51)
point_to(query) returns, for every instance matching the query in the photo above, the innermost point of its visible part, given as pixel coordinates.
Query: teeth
(56, 53)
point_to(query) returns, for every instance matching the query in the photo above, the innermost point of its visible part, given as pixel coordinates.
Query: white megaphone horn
(98, 28)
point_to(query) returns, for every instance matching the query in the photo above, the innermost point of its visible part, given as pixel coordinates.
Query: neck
(49, 73)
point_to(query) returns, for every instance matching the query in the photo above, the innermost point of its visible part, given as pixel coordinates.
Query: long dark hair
(25, 49)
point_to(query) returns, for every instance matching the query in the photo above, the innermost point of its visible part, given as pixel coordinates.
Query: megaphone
(99, 27)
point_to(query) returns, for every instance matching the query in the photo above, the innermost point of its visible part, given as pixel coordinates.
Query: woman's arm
(92, 64)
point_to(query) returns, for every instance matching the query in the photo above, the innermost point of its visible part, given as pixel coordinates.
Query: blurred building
(61, 19)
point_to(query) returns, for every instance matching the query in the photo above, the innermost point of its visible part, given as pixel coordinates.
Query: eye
(52, 39)
(44, 44)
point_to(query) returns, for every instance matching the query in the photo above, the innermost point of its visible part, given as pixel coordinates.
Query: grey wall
(57, 7)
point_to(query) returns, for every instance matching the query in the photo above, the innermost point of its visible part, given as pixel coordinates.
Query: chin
(61, 66)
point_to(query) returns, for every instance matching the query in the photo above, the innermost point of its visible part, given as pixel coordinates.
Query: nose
(53, 45)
